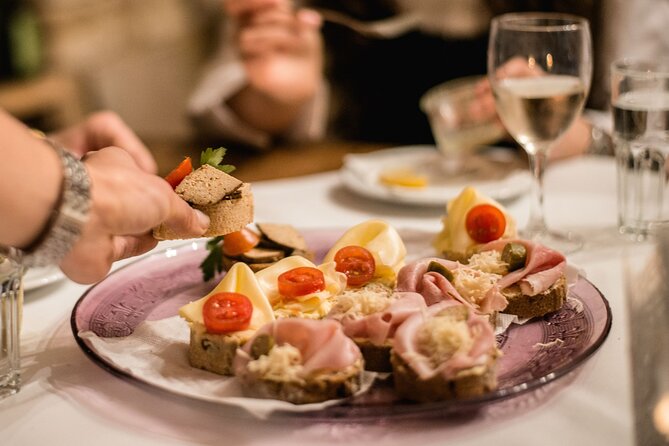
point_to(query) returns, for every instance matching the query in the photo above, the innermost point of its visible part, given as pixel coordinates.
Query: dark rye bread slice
(284, 236)
(232, 213)
(315, 388)
(213, 352)
(525, 306)
(377, 357)
(465, 384)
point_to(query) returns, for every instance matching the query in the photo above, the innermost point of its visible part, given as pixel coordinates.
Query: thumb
(185, 221)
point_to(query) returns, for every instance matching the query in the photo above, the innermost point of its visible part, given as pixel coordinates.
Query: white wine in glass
(539, 67)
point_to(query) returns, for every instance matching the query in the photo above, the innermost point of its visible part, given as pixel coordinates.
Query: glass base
(10, 384)
(564, 242)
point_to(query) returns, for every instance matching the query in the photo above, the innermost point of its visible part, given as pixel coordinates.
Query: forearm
(30, 181)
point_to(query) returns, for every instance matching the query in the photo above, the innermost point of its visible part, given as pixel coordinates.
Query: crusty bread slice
(525, 306)
(318, 387)
(230, 214)
(467, 383)
(213, 352)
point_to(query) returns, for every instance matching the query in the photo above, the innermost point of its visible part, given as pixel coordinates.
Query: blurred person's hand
(126, 203)
(104, 129)
(282, 52)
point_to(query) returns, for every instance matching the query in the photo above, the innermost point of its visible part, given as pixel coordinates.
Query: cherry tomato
(357, 263)
(301, 281)
(227, 312)
(239, 242)
(180, 172)
(485, 223)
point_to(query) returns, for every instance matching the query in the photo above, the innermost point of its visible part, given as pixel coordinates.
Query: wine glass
(539, 67)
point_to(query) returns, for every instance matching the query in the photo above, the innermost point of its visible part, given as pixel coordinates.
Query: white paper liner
(157, 353)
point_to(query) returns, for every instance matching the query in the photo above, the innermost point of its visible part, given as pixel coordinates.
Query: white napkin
(157, 353)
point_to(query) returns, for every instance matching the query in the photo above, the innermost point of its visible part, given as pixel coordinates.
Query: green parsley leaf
(214, 157)
(213, 263)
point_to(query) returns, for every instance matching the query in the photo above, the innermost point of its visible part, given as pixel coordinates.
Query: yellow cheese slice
(239, 279)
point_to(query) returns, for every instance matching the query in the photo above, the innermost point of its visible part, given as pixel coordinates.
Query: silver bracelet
(67, 219)
(601, 142)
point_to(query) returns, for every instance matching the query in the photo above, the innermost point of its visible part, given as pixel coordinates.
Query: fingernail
(202, 219)
(309, 16)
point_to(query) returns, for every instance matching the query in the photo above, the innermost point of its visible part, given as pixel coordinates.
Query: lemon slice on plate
(403, 177)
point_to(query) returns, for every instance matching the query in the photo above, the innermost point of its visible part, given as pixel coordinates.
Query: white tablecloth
(67, 399)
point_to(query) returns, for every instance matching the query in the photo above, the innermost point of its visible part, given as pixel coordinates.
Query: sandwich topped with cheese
(226, 200)
(472, 220)
(225, 319)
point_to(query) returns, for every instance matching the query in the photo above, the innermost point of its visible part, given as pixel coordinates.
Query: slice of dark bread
(467, 383)
(525, 306)
(319, 386)
(377, 357)
(213, 352)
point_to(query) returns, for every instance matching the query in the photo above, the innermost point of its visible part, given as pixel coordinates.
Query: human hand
(126, 203)
(281, 48)
(104, 129)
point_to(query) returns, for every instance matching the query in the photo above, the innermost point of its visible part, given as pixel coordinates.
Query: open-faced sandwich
(295, 287)
(445, 352)
(301, 361)
(225, 319)
(471, 220)
(226, 200)
(532, 276)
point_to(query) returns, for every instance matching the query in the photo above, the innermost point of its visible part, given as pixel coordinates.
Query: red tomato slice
(485, 223)
(180, 172)
(357, 263)
(301, 281)
(239, 242)
(227, 312)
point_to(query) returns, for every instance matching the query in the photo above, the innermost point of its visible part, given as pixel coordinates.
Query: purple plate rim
(340, 412)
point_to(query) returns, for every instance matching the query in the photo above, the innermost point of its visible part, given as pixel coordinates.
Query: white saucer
(360, 173)
(38, 277)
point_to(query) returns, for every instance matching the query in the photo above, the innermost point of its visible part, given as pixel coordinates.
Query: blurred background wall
(61, 59)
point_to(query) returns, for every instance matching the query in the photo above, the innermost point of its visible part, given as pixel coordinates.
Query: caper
(436, 267)
(515, 254)
(262, 344)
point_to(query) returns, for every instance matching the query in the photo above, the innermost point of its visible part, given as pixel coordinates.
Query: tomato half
(357, 263)
(301, 281)
(227, 312)
(485, 223)
(180, 172)
(239, 242)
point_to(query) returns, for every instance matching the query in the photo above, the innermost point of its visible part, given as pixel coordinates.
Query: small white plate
(38, 277)
(360, 173)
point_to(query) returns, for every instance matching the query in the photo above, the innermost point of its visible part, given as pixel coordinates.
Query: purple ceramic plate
(534, 354)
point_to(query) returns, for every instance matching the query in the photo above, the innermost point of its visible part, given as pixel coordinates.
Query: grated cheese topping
(473, 284)
(358, 302)
(489, 262)
(283, 363)
(442, 337)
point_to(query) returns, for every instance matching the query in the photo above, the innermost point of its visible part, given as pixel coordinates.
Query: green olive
(436, 267)
(515, 254)
(262, 344)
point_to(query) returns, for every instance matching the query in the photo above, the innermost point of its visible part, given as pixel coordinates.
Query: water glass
(640, 103)
(11, 303)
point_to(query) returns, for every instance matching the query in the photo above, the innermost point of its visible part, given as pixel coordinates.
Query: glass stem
(537, 224)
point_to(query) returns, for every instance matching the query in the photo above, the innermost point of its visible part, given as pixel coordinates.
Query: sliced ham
(435, 288)
(379, 327)
(542, 268)
(322, 343)
(406, 345)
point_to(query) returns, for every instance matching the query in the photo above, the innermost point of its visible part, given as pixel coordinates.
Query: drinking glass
(540, 67)
(11, 301)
